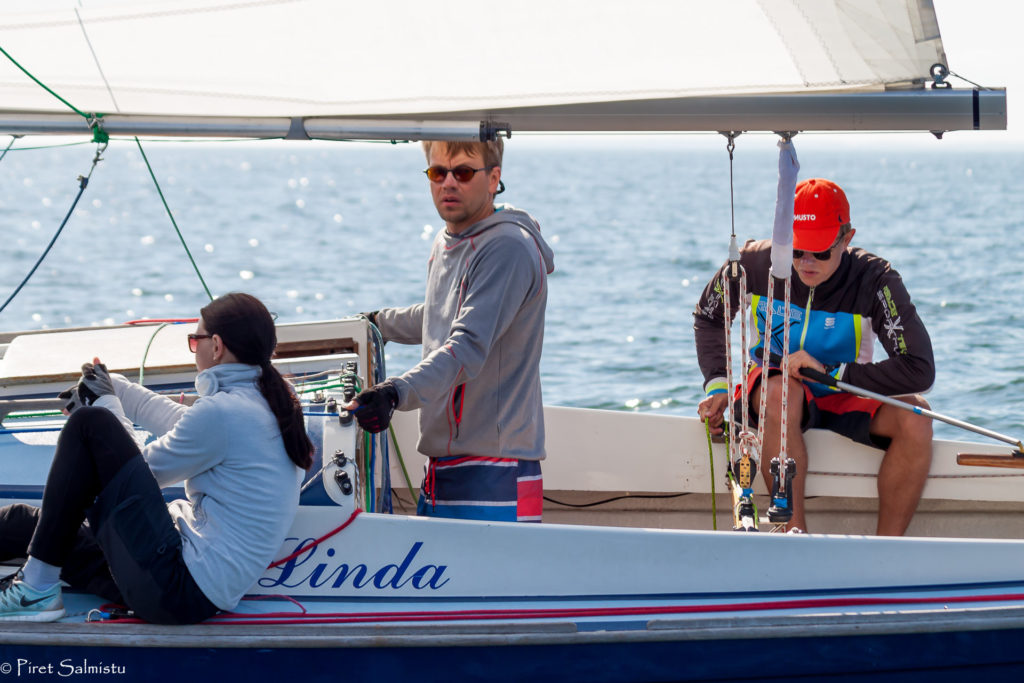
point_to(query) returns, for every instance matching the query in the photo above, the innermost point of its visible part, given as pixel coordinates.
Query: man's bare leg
(794, 442)
(905, 466)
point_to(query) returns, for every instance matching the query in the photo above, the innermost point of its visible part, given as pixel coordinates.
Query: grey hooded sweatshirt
(482, 328)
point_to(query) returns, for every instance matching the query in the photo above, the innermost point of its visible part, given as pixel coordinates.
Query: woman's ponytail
(286, 408)
(247, 329)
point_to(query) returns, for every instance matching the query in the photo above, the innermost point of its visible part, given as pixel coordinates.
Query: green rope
(43, 85)
(401, 460)
(145, 354)
(319, 388)
(366, 468)
(63, 144)
(711, 460)
(22, 416)
(94, 120)
(173, 222)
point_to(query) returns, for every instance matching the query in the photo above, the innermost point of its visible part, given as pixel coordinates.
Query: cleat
(21, 602)
(780, 511)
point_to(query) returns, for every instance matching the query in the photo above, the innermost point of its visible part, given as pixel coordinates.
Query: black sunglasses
(461, 173)
(820, 255)
(193, 341)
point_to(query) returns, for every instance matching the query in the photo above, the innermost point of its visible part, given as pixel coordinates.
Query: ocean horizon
(638, 225)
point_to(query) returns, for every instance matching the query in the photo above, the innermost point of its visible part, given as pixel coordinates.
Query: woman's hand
(96, 378)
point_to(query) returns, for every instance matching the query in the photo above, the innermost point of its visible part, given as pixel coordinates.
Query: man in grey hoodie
(481, 326)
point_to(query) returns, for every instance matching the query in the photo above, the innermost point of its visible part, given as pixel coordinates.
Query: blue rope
(83, 183)
(26, 430)
(380, 374)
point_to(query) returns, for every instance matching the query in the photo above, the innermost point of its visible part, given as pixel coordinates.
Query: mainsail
(270, 68)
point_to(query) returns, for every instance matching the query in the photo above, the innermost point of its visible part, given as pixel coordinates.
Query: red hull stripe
(585, 612)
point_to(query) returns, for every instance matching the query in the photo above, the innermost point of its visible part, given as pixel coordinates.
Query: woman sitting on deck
(241, 450)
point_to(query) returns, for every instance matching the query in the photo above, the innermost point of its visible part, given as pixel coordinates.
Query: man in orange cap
(842, 300)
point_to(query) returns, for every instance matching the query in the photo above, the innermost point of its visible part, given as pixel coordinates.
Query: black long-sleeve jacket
(836, 322)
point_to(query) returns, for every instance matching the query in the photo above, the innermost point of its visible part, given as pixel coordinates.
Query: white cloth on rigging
(782, 233)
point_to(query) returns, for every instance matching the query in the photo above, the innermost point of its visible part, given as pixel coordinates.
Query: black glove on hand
(77, 395)
(376, 406)
(97, 379)
(371, 316)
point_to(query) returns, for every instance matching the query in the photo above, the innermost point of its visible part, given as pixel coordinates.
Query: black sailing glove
(76, 396)
(376, 406)
(96, 379)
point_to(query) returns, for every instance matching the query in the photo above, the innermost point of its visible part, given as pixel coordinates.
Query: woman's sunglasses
(193, 341)
(461, 173)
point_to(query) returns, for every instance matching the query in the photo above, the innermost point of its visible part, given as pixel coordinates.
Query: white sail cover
(407, 58)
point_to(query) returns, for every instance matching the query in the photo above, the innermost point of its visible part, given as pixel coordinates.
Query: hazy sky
(984, 42)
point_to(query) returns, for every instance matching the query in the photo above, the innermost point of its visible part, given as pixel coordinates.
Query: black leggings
(130, 550)
(91, 450)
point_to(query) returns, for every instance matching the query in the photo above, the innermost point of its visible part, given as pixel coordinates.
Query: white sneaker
(21, 602)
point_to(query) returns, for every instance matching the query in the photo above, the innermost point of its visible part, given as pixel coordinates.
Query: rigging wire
(731, 147)
(96, 59)
(976, 85)
(14, 138)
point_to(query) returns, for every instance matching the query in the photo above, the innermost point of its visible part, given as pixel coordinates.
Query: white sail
(537, 64)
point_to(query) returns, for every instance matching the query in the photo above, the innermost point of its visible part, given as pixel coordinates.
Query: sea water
(638, 226)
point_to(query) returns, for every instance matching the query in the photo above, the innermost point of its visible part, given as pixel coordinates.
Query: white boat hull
(638, 588)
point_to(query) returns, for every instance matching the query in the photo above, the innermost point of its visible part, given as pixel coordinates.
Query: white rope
(766, 341)
(730, 421)
(784, 426)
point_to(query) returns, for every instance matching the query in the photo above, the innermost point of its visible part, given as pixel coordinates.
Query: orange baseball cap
(819, 210)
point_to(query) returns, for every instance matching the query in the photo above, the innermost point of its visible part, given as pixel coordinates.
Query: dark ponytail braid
(245, 326)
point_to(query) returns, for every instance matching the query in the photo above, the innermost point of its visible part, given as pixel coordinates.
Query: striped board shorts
(489, 489)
